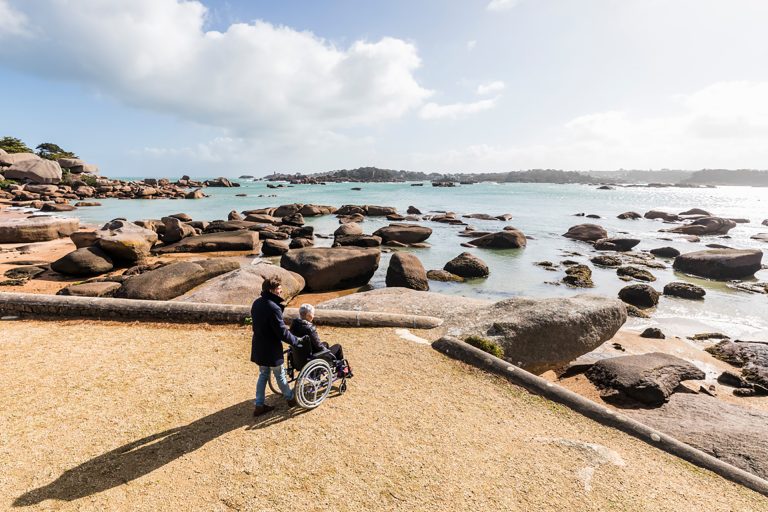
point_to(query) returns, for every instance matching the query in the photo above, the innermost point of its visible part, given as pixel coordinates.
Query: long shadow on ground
(141, 457)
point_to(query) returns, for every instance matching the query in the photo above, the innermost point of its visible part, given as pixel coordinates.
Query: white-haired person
(303, 326)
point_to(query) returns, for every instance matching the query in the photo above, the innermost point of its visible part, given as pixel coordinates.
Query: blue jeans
(261, 383)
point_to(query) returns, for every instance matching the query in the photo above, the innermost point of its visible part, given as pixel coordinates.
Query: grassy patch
(485, 345)
(7, 183)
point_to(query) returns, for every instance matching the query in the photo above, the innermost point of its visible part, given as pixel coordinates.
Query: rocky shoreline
(184, 259)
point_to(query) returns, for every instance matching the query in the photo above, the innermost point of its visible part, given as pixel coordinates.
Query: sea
(543, 212)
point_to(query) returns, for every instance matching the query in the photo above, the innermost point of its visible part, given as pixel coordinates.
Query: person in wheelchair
(334, 354)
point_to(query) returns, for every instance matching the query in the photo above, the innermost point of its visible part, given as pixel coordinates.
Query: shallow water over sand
(543, 212)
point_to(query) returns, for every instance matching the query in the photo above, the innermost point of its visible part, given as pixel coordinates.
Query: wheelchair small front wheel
(313, 383)
(343, 387)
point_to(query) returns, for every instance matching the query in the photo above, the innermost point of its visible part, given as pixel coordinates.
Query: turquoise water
(542, 211)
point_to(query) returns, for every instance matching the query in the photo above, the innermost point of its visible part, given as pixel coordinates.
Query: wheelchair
(317, 374)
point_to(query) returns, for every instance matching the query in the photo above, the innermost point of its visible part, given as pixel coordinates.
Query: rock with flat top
(36, 229)
(242, 240)
(99, 289)
(648, 378)
(403, 233)
(720, 264)
(507, 239)
(684, 290)
(732, 433)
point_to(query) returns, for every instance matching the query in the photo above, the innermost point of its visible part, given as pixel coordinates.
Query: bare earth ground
(111, 416)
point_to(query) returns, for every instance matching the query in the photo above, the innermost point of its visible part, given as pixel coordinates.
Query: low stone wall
(457, 349)
(27, 305)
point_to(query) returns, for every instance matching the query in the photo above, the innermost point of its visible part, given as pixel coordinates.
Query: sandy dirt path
(110, 416)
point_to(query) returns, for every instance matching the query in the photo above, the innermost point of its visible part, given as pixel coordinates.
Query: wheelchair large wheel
(314, 383)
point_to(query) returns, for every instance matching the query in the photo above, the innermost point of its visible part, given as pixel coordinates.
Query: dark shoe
(292, 402)
(262, 409)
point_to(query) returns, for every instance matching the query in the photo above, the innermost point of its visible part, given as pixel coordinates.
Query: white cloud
(490, 88)
(723, 125)
(253, 79)
(501, 5)
(471, 44)
(12, 22)
(433, 111)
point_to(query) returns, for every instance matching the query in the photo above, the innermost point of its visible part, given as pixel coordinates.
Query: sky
(213, 87)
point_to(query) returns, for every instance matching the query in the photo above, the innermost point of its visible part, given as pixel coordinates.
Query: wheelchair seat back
(301, 355)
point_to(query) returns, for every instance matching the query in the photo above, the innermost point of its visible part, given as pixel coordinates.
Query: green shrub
(247, 321)
(485, 345)
(7, 183)
(14, 145)
(88, 179)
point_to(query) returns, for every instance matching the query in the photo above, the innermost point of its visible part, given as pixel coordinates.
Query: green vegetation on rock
(14, 145)
(51, 151)
(485, 345)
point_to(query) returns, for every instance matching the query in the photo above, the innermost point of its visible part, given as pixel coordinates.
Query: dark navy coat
(269, 331)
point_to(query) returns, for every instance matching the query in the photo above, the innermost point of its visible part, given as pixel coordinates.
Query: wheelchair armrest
(321, 353)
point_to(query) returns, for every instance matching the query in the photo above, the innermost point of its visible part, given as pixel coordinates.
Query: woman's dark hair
(271, 283)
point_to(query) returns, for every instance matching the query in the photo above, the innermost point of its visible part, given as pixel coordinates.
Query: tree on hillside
(14, 145)
(51, 151)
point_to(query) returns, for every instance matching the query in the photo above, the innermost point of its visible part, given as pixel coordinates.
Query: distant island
(664, 177)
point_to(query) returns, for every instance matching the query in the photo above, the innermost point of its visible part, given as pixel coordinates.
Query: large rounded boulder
(543, 334)
(403, 233)
(720, 264)
(350, 228)
(88, 261)
(507, 239)
(174, 230)
(639, 295)
(125, 241)
(36, 171)
(170, 281)
(338, 268)
(467, 265)
(586, 233)
(243, 286)
(272, 247)
(406, 271)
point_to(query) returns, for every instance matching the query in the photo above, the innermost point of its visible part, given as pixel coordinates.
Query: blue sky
(165, 87)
